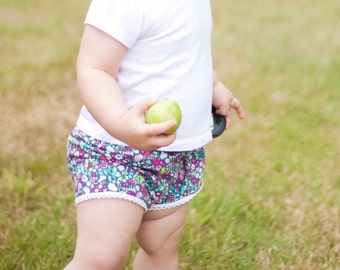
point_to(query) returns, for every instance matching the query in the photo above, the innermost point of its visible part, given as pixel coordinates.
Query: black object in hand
(218, 123)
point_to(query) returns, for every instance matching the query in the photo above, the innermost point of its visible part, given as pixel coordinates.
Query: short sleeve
(120, 19)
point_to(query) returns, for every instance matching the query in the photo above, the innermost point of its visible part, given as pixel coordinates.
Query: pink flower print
(156, 161)
(138, 158)
(155, 183)
(181, 174)
(162, 163)
(143, 190)
(93, 179)
(132, 182)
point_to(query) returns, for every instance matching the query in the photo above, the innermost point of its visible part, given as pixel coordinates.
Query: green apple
(163, 110)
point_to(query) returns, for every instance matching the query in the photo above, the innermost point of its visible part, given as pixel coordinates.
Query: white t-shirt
(169, 56)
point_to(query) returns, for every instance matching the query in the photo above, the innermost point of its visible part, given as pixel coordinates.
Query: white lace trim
(108, 195)
(117, 195)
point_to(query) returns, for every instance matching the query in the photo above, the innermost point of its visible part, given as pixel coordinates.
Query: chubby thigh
(106, 228)
(153, 180)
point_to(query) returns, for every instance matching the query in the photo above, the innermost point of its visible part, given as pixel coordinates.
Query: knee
(158, 246)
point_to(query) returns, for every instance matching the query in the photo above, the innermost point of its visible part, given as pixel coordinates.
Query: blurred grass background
(271, 197)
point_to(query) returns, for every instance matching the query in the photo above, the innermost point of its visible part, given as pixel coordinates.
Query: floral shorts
(154, 180)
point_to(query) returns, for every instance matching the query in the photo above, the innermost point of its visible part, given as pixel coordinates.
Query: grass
(272, 185)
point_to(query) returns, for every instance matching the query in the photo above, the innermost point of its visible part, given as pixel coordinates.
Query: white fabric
(169, 56)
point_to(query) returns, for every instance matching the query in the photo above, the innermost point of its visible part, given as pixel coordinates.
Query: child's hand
(224, 102)
(140, 135)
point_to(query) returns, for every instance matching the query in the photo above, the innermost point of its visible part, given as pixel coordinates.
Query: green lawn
(272, 187)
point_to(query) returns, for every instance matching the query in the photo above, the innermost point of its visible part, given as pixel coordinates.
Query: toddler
(130, 179)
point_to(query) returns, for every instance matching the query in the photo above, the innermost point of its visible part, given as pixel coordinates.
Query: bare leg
(105, 231)
(158, 237)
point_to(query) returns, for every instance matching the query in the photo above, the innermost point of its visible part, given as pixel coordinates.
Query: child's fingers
(161, 128)
(237, 106)
(142, 106)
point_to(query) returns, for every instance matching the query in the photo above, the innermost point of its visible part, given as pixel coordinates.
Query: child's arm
(98, 62)
(224, 101)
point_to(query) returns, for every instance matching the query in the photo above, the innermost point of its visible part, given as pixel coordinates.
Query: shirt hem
(98, 132)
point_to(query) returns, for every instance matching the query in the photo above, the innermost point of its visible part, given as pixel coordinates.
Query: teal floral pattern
(151, 179)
